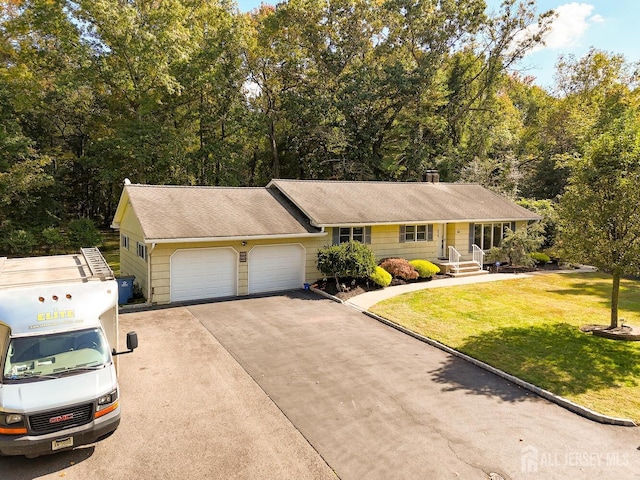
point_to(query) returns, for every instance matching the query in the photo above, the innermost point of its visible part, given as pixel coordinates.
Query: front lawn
(110, 250)
(529, 328)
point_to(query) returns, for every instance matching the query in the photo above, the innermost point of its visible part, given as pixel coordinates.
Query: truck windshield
(53, 355)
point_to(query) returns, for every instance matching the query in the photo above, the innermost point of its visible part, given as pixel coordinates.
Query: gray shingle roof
(173, 212)
(351, 203)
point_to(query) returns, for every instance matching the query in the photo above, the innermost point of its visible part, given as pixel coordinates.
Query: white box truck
(58, 339)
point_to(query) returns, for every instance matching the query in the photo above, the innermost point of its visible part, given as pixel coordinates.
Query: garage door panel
(203, 273)
(276, 267)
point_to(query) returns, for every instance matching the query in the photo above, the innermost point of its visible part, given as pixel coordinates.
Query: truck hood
(29, 397)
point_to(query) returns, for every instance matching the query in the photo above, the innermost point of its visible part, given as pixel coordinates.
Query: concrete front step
(463, 267)
(469, 268)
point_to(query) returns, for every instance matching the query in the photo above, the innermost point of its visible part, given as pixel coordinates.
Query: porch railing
(454, 258)
(478, 254)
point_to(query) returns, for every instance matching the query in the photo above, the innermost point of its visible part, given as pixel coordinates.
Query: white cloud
(568, 27)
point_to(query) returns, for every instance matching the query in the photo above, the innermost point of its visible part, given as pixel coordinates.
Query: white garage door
(276, 267)
(203, 273)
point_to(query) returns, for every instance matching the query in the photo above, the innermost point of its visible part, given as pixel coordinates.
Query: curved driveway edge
(366, 300)
(563, 402)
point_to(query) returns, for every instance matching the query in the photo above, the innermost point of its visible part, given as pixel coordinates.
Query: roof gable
(329, 203)
(168, 213)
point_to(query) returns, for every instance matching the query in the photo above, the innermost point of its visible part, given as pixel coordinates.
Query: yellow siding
(130, 263)
(385, 243)
(460, 240)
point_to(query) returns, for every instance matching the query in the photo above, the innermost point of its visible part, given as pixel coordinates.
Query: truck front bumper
(35, 445)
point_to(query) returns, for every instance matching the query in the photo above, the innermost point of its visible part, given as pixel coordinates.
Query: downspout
(149, 288)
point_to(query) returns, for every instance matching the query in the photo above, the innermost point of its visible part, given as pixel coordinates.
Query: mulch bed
(623, 332)
(353, 287)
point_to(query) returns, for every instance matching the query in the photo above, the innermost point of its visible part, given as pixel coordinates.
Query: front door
(442, 240)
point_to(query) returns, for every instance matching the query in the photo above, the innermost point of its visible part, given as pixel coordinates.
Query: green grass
(110, 250)
(529, 328)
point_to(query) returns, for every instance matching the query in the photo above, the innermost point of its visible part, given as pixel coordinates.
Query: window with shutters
(356, 234)
(416, 233)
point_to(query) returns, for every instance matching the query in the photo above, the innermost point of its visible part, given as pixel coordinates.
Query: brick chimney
(431, 176)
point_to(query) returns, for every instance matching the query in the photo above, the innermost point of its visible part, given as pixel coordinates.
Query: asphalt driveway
(377, 404)
(189, 411)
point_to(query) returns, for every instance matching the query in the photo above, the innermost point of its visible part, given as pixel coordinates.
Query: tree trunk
(615, 291)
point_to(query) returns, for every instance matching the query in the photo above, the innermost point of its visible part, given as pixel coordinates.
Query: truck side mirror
(132, 341)
(132, 344)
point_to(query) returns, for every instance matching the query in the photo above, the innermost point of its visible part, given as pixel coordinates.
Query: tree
(516, 247)
(83, 233)
(350, 259)
(600, 210)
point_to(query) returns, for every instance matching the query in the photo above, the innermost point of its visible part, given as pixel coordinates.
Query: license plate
(62, 443)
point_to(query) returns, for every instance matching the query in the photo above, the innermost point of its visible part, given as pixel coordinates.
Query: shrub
(516, 247)
(351, 259)
(399, 268)
(495, 254)
(425, 268)
(83, 233)
(381, 277)
(21, 242)
(540, 258)
(52, 239)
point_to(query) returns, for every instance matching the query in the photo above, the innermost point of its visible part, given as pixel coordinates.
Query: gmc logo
(61, 418)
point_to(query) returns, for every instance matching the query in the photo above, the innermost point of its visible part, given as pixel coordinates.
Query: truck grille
(56, 420)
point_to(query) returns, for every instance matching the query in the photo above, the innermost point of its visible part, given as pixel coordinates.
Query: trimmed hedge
(425, 268)
(381, 277)
(540, 258)
(399, 268)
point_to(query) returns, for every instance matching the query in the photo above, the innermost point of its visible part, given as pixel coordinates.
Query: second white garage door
(203, 273)
(276, 267)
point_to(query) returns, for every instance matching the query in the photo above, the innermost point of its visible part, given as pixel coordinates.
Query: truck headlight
(12, 418)
(106, 400)
(12, 424)
(107, 404)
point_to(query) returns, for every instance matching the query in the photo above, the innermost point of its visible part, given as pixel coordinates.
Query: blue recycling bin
(125, 289)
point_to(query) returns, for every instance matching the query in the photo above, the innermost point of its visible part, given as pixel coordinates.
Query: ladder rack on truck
(97, 264)
(87, 266)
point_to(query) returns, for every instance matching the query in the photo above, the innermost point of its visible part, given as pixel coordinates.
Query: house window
(356, 234)
(487, 235)
(142, 250)
(124, 242)
(416, 233)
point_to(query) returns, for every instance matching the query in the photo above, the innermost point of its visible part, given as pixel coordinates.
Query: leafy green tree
(600, 210)
(21, 242)
(350, 259)
(517, 247)
(548, 210)
(83, 233)
(52, 239)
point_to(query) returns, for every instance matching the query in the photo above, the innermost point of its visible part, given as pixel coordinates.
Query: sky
(609, 25)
